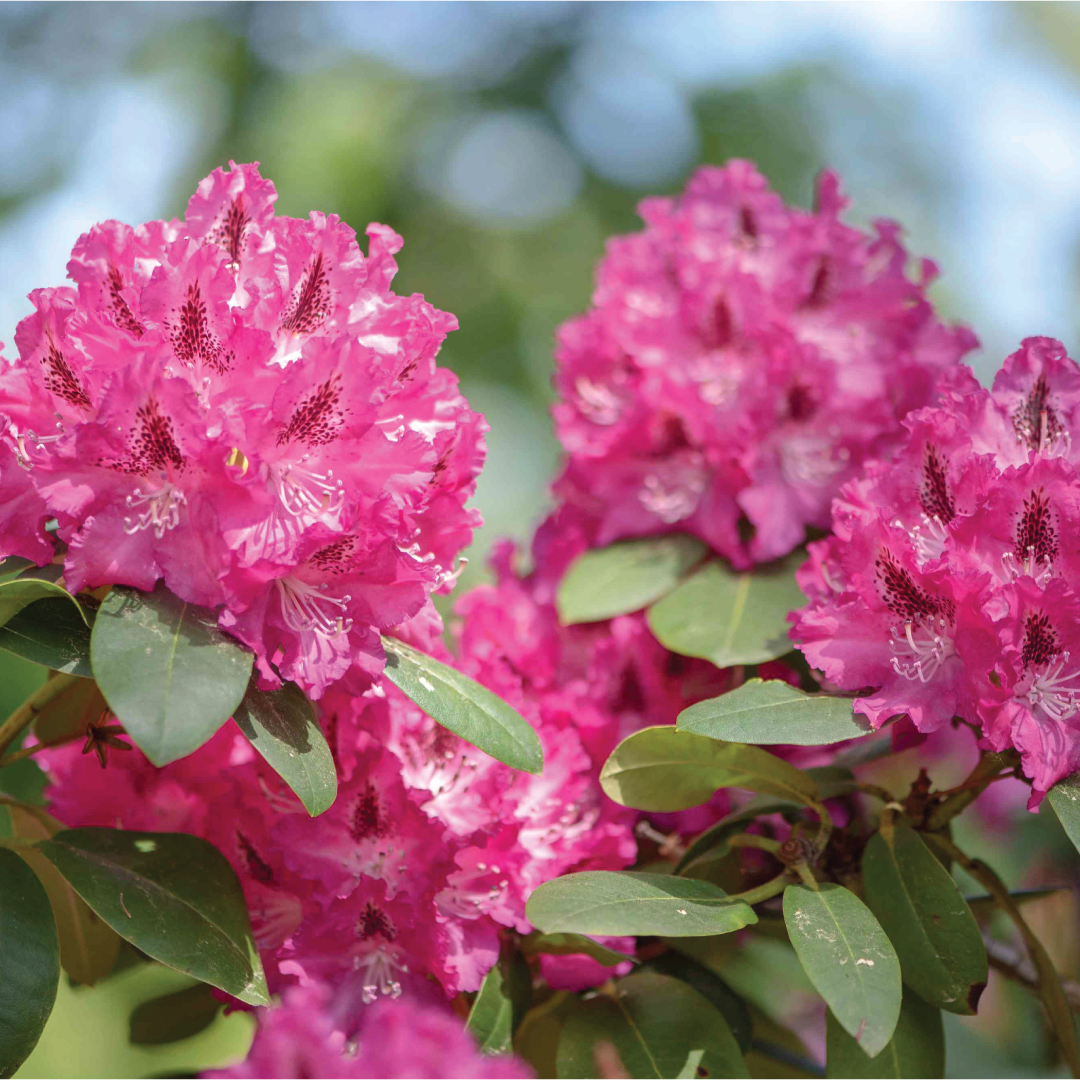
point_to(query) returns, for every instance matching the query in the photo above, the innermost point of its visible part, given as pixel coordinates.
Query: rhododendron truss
(231, 478)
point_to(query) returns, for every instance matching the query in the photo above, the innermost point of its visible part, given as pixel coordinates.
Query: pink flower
(240, 405)
(949, 585)
(741, 360)
(306, 1036)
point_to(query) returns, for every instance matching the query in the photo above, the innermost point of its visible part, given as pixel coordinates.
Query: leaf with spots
(848, 958)
(168, 673)
(624, 903)
(281, 725)
(916, 1050)
(658, 1026)
(171, 895)
(464, 706)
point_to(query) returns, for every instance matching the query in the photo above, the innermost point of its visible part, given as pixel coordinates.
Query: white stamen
(303, 607)
(162, 512)
(304, 491)
(1041, 569)
(928, 538)
(380, 968)
(1049, 689)
(598, 402)
(22, 455)
(920, 652)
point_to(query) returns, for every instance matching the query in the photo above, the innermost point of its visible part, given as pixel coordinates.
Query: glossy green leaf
(1064, 797)
(500, 1006)
(620, 903)
(916, 1050)
(728, 617)
(88, 945)
(13, 566)
(936, 937)
(29, 961)
(464, 706)
(710, 986)
(662, 769)
(848, 958)
(659, 1026)
(168, 673)
(572, 945)
(281, 725)
(173, 1017)
(767, 713)
(832, 782)
(171, 895)
(625, 577)
(50, 633)
(23, 591)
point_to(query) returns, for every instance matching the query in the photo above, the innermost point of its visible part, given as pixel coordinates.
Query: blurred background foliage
(505, 141)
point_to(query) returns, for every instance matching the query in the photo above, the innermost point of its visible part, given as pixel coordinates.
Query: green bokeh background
(363, 123)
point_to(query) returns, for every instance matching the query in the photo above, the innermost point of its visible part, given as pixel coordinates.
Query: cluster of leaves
(159, 671)
(867, 902)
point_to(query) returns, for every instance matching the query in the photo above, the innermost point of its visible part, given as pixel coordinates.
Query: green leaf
(728, 617)
(1064, 797)
(572, 945)
(29, 961)
(168, 673)
(710, 986)
(88, 946)
(464, 706)
(13, 566)
(916, 1050)
(281, 725)
(659, 1026)
(23, 591)
(662, 769)
(848, 958)
(832, 782)
(499, 1007)
(70, 712)
(620, 903)
(941, 951)
(625, 577)
(172, 895)
(774, 712)
(50, 633)
(173, 1017)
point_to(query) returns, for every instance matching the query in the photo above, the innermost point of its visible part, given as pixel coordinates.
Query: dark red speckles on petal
(821, 285)
(192, 340)
(936, 499)
(122, 314)
(336, 558)
(230, 229)
(1035, 419)
(258, 869)
(801, 402)
(153, 446)
(319, 416)
(1035, 532)
(311, 300)
(374, 922)
(367, 821)
(748, 223)
(61, 380)
(1040, 641)
(902, 595)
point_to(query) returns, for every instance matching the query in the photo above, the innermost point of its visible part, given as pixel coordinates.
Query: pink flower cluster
(306, 1036)
(951, 585)
(239, 404)
(741, 360)
(408, 882)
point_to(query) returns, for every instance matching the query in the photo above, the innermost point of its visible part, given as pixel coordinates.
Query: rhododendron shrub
(554, 840)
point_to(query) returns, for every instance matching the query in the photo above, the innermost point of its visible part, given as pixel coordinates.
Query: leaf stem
(766, 891)
(877, 791)
(1049, 982)
(821, 841)
(754, 841)
(29, 751)
(988, 769)
(24, 715)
